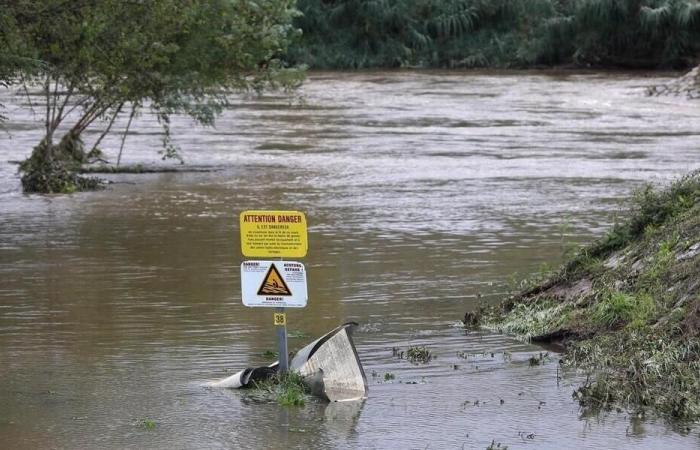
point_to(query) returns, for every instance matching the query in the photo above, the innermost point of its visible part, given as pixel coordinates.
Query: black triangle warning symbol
(273, 283)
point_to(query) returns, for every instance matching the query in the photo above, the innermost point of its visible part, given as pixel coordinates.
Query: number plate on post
(280, 319)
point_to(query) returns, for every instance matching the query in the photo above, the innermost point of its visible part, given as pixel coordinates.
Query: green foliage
(652, 279)
(528, 320)
(424, 33)
(292, 395)
(620, 308)
(57, 173)
(287, 390)
(653, 207)
(477, 33)
(630, 315)
(418, 355)
(149, 424)
(639, 370)
(90, 59)
(649, 208)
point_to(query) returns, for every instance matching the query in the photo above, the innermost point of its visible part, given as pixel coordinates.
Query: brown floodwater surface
(425, 193)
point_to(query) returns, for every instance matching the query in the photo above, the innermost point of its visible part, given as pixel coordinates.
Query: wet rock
(637, 266)
(614, 261)
(692, 252)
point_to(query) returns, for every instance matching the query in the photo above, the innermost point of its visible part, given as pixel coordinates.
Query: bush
(54, 169)
(343, 34)
(288, 389)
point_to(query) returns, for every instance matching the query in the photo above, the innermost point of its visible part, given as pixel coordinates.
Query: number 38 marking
(280, 319)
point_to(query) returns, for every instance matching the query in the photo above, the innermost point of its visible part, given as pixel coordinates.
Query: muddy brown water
(425, 192)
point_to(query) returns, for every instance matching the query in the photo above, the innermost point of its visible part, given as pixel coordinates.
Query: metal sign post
(277, 284)
(280, 319)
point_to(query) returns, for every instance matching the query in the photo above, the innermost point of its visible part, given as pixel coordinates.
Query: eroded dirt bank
(627, 307)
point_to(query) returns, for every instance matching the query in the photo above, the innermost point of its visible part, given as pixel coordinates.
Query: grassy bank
(627, 307)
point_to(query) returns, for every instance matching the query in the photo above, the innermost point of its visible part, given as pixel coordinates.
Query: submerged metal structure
(329, 366)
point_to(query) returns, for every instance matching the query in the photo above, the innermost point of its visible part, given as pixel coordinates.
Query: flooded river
(425, 193)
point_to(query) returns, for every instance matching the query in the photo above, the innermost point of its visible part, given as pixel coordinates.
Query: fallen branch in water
(138, 168)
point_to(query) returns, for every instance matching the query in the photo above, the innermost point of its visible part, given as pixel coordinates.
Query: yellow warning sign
(273, 233)
(280, 319)
(273, 283)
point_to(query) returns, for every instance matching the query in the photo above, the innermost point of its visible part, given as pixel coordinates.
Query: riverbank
(627, 308)
(496, 34)
(688, 86)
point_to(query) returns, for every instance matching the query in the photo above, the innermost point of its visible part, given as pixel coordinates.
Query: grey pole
(282, 344)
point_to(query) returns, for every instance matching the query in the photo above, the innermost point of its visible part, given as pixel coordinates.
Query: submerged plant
(418, 355)
(496, 446)
(288, 389)
(538, 360)
(527, 320)
(646, 370)
(297, 334)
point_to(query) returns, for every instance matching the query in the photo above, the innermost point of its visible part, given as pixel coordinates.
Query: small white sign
(276, 284)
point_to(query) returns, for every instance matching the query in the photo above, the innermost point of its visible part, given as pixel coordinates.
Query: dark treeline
(342, 34)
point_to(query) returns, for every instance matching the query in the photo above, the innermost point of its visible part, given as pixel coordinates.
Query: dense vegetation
(97, 61)
(628, 306)
(344, 34)
(94, 61)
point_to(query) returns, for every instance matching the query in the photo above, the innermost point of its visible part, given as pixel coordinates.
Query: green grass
(149, 424)
(287, 390)
(297, 334)
(640, 370)
(647, 210)
(528, 320)
(635, 328)
(419, 355)
(619, 308)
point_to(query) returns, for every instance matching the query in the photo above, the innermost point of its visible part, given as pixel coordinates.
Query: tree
(497, 33)
(636, 33)
(96, 59)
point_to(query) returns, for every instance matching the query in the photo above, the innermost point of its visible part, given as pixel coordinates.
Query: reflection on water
(424, 193)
